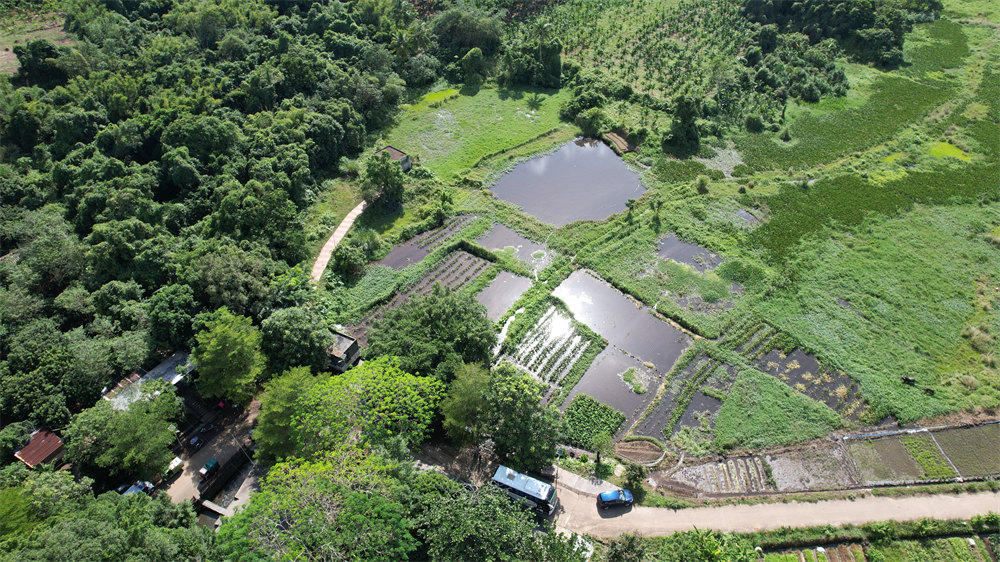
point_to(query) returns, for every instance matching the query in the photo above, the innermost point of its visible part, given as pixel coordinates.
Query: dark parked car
(613, 498)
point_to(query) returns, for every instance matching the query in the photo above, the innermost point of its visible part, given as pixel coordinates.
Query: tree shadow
(535, 101)
(506, 93)
(470, 89)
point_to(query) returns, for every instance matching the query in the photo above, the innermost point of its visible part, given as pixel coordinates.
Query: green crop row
(586, 418)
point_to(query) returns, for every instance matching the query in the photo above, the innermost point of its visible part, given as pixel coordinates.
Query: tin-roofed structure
(44, 446)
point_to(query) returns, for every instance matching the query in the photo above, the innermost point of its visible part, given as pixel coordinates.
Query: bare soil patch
(642, 452)
(825, 466)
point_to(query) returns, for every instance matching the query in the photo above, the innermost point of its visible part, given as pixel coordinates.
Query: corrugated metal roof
(42, 447)
(522, 482)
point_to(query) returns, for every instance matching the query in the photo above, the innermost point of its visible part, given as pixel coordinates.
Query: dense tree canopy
(278, 405)
(434, 334)
(135, 440)
(523, 429)
(228, 356)
(370, 403)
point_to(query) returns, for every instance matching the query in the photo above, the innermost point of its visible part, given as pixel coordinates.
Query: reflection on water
(583, 180)
(611, 314)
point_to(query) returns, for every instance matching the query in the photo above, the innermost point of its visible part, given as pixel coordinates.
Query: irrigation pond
(583, 180)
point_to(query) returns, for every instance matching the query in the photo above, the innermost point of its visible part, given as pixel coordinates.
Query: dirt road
(579, 513)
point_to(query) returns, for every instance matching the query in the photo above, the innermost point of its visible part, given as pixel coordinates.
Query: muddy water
(611, 314)
(583, 180)
(501, 293)
(683, 252)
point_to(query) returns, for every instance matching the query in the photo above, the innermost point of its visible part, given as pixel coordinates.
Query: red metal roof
(43, 446)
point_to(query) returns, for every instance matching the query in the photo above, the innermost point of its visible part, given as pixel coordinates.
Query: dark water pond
(603, 382)
(611, 314)
(501, 293)
(684, 252)
(404, 255)
(584, 180)
(535, 255)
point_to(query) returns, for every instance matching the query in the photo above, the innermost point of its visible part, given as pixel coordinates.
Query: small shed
(397, 155)
(44, 446)
(344, 352)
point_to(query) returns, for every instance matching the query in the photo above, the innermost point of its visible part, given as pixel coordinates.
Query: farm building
(129, 389)
(44, 446)
(397, 155)
(344, 352)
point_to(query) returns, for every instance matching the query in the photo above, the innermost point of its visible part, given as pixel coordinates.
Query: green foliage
(119, 528)
(134, 440)
(523, 430)
(296, 336)
(586, 418)
(704, 545)
(278, 405)
(228, 356)
(337, 505)
(171, 310)
(383, 182)
(923, 450)
(486, 525)
(369, 403)
(465, 403)
(824, 136)
(13, 436)
(434, 334)
(762, 411)
(627, 547)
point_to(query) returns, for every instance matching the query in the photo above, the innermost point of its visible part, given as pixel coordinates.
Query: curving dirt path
(579, 513)
(324, 255)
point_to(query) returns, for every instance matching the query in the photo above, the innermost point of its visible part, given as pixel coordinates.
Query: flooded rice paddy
(501, 293)
(626, 325)
(417, 248)
(583, 180)
(603, 382)
(535, 255)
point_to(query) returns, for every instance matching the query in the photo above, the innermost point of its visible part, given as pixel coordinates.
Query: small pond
(501, 293)
(618, 319)
(535, 255)
(672, 248)
(583, 180)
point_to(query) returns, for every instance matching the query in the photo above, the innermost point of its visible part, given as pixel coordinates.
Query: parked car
(210, 468)
(614, 498)
(143, 486)
(197, 442)
(174, 468)
(208, 427)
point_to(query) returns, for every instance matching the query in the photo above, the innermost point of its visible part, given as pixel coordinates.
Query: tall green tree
(523, 429)
(435, 333)
(135, 440)
(463, 407)
(228, 357)
(370, 403)
(486, 525)
(383, 181)
(294, 337)
(171, 310)
(278, 406)
(336, 507)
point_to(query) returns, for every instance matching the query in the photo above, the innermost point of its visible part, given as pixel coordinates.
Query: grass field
(761, 411)
(911, 286)
(19, 28)
(332, 204)
(449, 133)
